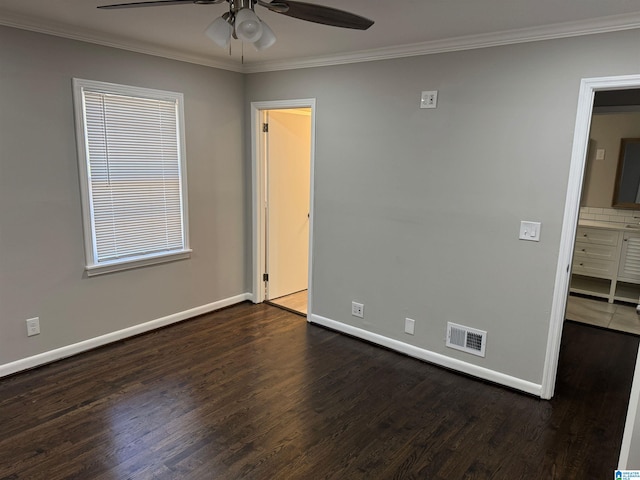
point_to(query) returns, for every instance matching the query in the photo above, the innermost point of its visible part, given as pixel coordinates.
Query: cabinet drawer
(594, 268)
(598, 236)
(594, 250)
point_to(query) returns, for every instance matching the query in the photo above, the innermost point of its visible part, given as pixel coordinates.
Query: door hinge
(265, 127)
(265, 277)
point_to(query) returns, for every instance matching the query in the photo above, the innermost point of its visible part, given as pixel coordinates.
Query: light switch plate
(600, 154)
(530, 231)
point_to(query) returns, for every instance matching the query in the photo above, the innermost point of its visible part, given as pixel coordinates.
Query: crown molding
(613, 23)
(83, 35)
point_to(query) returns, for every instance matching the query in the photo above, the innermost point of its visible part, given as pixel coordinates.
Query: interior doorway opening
(283, 154)
(605, 280)
(588, 89)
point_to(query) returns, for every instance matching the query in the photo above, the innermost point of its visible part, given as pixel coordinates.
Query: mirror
(627, 189)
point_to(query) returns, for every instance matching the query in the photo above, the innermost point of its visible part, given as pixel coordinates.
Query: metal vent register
(466, 339)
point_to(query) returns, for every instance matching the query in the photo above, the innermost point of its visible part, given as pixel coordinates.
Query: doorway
(286, 161)
(588, 88)
(283, 152)
(605, 281)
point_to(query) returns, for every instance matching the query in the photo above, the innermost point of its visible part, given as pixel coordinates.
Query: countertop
(609, 226)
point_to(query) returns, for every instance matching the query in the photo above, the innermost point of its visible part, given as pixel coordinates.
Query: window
(132, 174)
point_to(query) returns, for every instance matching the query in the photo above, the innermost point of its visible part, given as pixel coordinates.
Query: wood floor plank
(255, 392)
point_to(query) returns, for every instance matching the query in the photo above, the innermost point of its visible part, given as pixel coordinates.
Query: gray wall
(41, 238)
(417, 211)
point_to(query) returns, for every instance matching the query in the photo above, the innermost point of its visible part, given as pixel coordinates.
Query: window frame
(92, 265)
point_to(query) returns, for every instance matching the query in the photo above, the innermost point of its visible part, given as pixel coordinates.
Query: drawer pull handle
(582, 264)
(585, 235)
(584, 249)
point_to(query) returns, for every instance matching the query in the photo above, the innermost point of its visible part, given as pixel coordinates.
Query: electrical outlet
(429, 99)
(357, 309)
(409, 326)
(33, 326)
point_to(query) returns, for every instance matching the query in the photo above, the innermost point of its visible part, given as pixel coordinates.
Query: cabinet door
(629, 270)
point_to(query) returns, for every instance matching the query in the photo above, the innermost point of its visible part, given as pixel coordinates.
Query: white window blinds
(134, 175)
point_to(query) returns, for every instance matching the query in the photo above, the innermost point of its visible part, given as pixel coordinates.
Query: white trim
(136, 262)
(92, 265)
(257, 189)
(588, 87)
(429, 356)
(74, 33)
(612, 23)
(567, 239)
(632, 417)
(74, 349)
(470, 42)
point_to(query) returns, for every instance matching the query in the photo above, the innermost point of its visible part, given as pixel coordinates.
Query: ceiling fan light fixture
(248, 25)
(220, 32)
(241, 22)
(267, 39)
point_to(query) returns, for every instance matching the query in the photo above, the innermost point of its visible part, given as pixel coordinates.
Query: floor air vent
(466, 339)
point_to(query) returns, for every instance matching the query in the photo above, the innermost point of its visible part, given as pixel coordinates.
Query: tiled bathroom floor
(616, 316)
(296, 302)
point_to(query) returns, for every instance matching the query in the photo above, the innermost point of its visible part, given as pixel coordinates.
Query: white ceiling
(402, 27)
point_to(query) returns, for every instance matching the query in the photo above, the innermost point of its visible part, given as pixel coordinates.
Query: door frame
(258, 176)
(588, 88)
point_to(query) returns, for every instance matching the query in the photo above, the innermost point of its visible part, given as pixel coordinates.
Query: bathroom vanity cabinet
(606, 263)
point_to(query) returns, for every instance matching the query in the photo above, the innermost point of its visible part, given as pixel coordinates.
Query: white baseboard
(74, 349)
(431, 357)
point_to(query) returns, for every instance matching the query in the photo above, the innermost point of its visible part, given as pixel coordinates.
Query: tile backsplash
(611, 215)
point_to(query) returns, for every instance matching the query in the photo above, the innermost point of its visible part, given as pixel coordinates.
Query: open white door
(259, 141)
(288, 171)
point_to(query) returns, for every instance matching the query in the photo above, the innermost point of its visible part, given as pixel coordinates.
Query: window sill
(136, 262)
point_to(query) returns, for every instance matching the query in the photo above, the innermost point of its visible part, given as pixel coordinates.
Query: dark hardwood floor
(255, 392)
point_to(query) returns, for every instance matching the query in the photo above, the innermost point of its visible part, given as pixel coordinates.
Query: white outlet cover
(429, 99)
(357, 309)
(33, 326)
(409, 326)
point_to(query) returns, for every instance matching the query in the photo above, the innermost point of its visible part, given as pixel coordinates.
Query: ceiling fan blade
(158, 3)
(319, 14)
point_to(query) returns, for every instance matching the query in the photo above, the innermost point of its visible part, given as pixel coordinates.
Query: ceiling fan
(242, 22)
